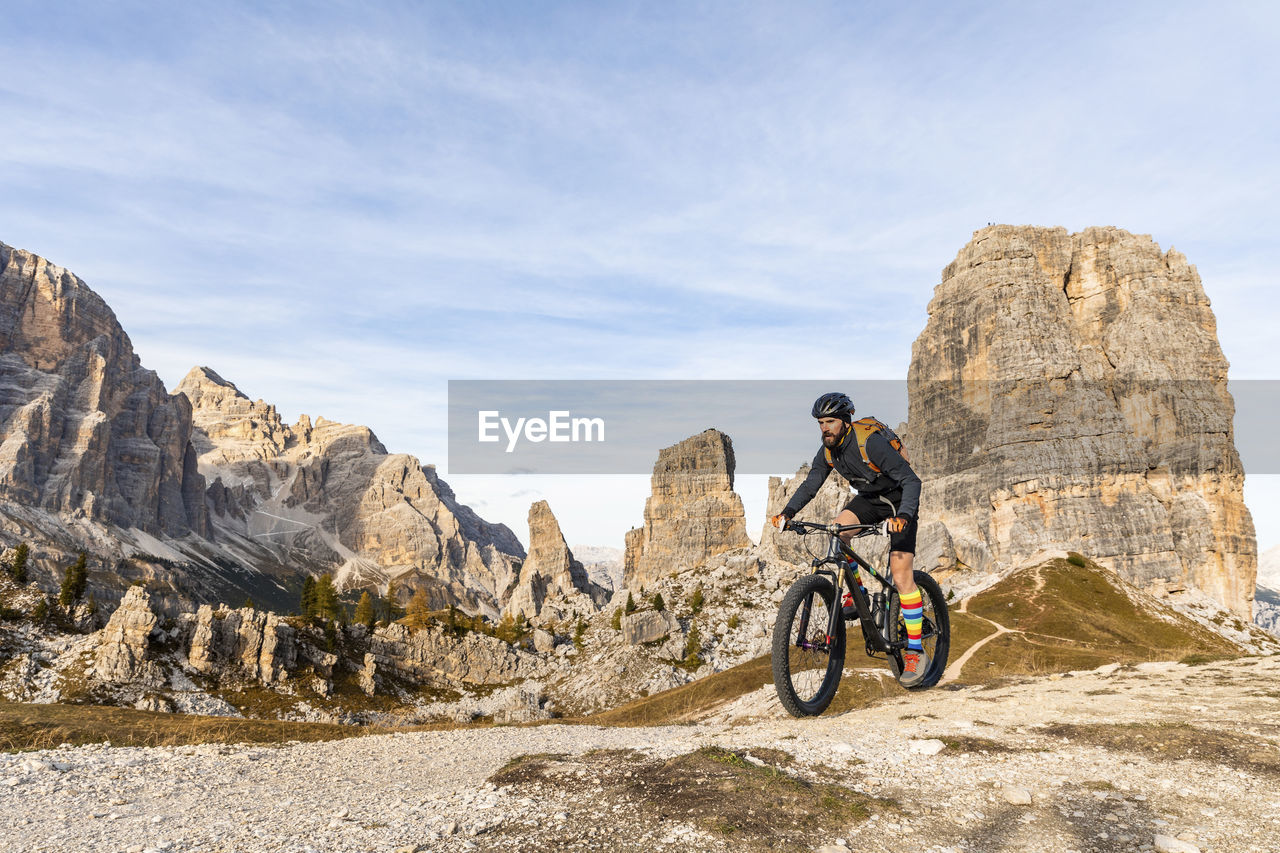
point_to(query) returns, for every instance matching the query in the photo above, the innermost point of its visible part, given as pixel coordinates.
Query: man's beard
(831, 440)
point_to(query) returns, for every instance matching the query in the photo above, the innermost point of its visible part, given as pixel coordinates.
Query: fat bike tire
(807, 676)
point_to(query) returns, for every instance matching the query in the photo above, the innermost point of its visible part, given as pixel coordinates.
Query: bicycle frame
(842, 576)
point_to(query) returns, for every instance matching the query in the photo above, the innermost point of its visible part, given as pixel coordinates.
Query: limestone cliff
(693, 512)
(1068, 391)
(85, 430)
(553, 585)
(330, 496)
(206, 495)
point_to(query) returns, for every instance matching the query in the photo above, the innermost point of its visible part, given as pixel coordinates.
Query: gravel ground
(1154, 757)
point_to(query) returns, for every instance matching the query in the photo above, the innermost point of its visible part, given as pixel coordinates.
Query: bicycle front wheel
(807, 663)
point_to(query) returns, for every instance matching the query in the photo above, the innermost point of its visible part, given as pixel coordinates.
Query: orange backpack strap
(864, 429)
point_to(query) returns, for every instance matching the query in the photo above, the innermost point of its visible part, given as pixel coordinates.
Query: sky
(342, 206)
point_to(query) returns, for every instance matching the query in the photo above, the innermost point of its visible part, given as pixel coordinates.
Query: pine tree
(695, 601)
(658, 604)
(393, 609)
(73, 585)
(19, 567)
(82, 576)
(616, 622)
(326, 599)
(419, 610)
(580, 634)
(307, 601)
(522, 626)
(40, 612)
(693, 647)
(630, 606)
(364, 611)
(452, 618)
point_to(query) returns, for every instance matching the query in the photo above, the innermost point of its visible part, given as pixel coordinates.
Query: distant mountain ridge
(204, 493)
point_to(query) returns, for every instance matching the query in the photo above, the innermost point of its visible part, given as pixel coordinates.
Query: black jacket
(896, 481)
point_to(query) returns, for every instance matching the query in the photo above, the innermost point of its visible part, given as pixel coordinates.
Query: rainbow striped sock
(913, 615)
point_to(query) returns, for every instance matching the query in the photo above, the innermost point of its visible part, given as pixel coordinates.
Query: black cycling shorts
(872, 511)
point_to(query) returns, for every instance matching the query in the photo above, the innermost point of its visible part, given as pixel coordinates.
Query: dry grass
(24, 727)
(688, 701)
(1080, 618)
(754, 806)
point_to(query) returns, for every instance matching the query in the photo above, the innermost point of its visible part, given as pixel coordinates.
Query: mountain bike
(809, 635)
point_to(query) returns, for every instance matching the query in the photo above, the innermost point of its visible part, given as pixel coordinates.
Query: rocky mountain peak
(205, 491)
(1069, 391)
(692, 514)
(551, 579)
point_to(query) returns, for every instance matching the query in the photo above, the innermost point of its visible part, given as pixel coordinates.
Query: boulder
(648, 626)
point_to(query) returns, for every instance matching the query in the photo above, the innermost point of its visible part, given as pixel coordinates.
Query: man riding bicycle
(887, 489)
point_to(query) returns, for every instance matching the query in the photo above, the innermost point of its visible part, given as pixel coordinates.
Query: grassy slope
(1080, 617)
(1067, 617)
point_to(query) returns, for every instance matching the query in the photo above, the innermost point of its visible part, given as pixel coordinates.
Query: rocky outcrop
(330, 496)
(259, 645)
(123, 651)
(1267, 601)
(647, 627)
(1069, 392)
(434, 655)
(692, 514)
(204, 494)
(553, 585)
(85, 430)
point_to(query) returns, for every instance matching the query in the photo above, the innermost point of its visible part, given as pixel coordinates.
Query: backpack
(863, 429)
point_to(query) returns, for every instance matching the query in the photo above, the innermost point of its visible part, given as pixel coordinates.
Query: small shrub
(734, 622)
(693, 647)
(658, 604)
(696, 600)
(1077, 560)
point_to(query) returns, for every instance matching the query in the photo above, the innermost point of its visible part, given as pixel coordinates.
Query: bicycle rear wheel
(807, 663)
(935, 634)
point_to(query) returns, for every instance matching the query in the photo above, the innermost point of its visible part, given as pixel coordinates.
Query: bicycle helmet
(833, 405)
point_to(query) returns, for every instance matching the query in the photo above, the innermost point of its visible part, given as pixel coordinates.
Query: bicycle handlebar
(805, 527)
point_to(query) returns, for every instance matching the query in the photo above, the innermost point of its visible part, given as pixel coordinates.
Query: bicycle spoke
(809, 654)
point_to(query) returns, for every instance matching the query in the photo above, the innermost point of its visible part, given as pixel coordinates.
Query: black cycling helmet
(833, 405)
